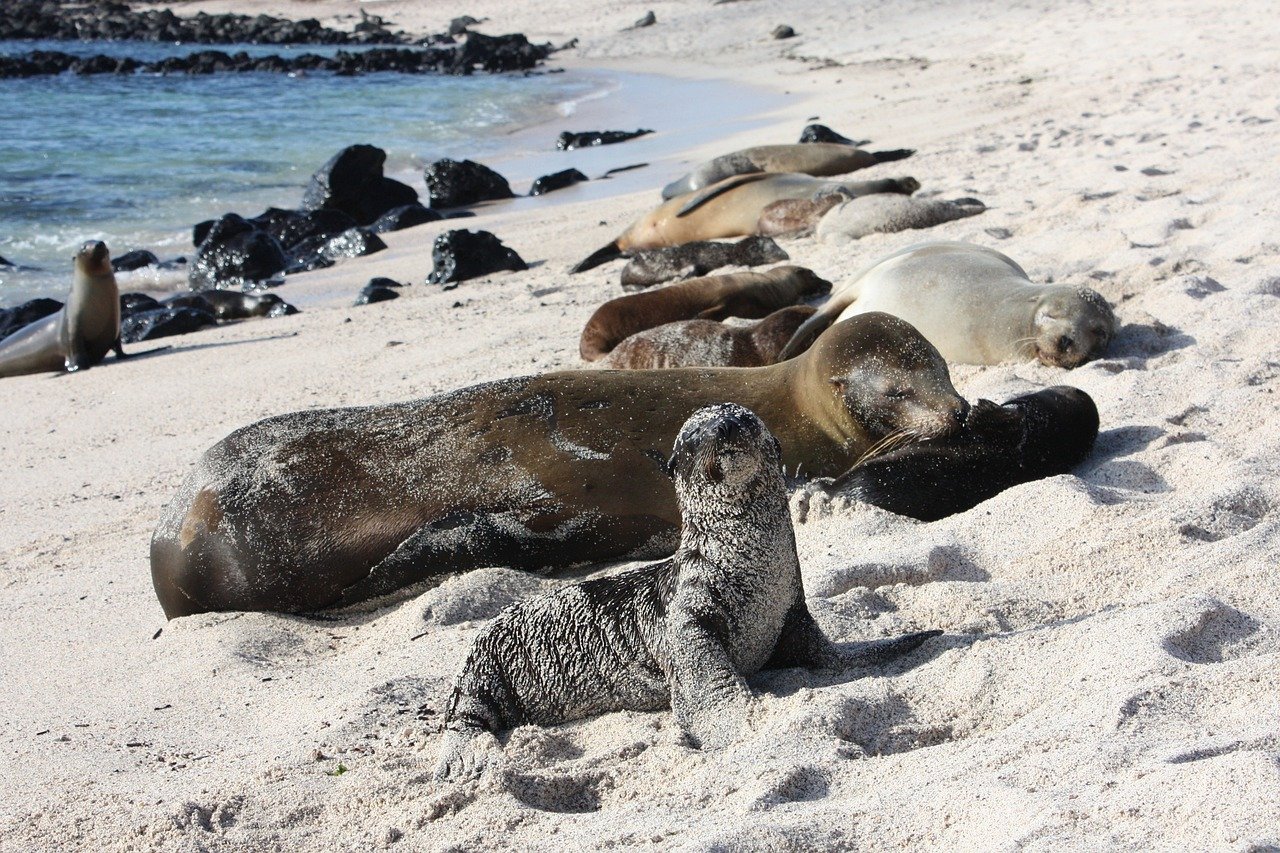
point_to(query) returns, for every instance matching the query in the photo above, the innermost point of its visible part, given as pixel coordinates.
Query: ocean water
(137, 160)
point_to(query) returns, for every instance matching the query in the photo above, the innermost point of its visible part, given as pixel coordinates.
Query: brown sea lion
(683, 633)
(706, 343)
(820, 159)
(796, 217)
(329, 507)
(746, 294)
(81, 333)
(654, 266)
(729, 208)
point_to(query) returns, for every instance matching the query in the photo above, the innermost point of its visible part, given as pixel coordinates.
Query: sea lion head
(1071, 326)
(93, 258)
(726, 453)
(881, 372)
(1061, 424)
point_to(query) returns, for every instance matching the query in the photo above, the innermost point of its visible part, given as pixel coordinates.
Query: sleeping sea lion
(80, 334)
(706, 343)
(820, 159)
(329, 507)
(746, 294)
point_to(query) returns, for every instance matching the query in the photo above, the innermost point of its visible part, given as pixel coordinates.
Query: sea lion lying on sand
(654, 266)
(329, 507)
(683, 633)
(819, 159)
(707, 343)
(746, 294)
(975, 305)
(886, 214)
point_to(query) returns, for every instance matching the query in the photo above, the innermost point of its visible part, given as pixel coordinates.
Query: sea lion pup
(683, 633)
(78, 335)
(330, 507)
(819, 159)
(749, 295)
(706, 343)
(975, 305)
(730, 208)
(1028, 438)
(233, 304)
(654, 266)
(858, 217)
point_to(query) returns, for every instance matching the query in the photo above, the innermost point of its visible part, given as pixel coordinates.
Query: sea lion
(730, 208)
(859, 217)
(745, 294)
(319, 508)
(1027, 438)
(78, 335)
(233, 304)
(706, 343)
(796, 217)
(683, 633)
(654, 266)
(819, 159)
(975, 305)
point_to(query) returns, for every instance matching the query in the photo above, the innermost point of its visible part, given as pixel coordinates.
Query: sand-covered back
(1110, 673)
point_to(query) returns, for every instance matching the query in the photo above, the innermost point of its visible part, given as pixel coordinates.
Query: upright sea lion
(820, 159)
(706, 343)
(683, 633)
(975, 305)
(327, 507)
(858, 217)
(730, 208)
(80, 334)
(1028, 438)
(714, 297)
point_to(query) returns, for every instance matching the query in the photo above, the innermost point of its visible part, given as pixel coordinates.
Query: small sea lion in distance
(1028, 438)
(233, 304)
(730, 208)
(78, 335)
(706, 343)
(975, 305)
(749, 295)
(859, 217)
(684, 633)
(820, 159)
(328, 507)
(654, 266)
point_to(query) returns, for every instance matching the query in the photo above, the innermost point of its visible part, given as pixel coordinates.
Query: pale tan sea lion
(746, 294)
(683, 633)
(707, 343)
(80, 334)
(328, 507)
(975, 305)
(858, 217)
(819, 159)
(730, 208)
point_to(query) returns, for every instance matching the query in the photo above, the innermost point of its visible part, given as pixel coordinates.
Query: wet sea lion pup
(749, 295)
(975, 305)
(654, 266)
(328, 507)
(683, 633)
(1028, 438)
(233, 304)
(706, 343)
(80, 334)
(730, 208)
(819, 159)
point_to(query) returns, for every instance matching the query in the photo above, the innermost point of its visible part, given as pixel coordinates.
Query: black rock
(456, 183)
(132, 303)
(163, 322)
(13, 319)
(822, 133)
(352, 182)
(201, 230)
(459, 255)
(320, 252)
(5, 262)
(291, 227)
(587, 138)
(782, 31)
(236, 253)
(556, 181)
(459, 25)
(383, 281)
(405, 216)
(648, 20)
(373, 293)
(134, 260)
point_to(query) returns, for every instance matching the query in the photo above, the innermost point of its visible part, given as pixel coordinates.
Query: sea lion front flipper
(709, 697)
(77, 358)
(712, 313)
(719, 189)
(464, 753)
(118, 348)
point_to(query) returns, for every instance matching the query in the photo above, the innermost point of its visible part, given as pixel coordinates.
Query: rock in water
(459, 255)
(13, 319)
(134, 260)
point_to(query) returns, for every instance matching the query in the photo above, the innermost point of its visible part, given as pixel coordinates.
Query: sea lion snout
(724, 442)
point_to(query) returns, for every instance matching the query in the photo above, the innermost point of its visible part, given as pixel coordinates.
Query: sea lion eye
(899, 393)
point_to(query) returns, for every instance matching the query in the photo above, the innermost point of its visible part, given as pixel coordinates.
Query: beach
(1109, 676)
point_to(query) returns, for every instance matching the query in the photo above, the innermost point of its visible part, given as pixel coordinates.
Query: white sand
(1111, 674)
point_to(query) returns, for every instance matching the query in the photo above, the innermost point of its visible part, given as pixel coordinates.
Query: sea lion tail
(890, 156)
(602, 255)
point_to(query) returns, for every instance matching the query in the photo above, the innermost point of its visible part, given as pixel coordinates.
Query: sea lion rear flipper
(890, 156)
(880, 652)
(712, 313)
(719, 189)
(598, 257)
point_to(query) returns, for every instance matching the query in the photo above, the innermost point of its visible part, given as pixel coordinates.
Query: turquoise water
(136, 160)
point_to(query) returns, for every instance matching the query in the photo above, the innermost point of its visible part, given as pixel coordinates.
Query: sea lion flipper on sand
(802, 643)
(890, 156)
(709, 698)
(600, 256)
(719, 189)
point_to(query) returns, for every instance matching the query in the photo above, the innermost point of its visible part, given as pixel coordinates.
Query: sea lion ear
(670, 467)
